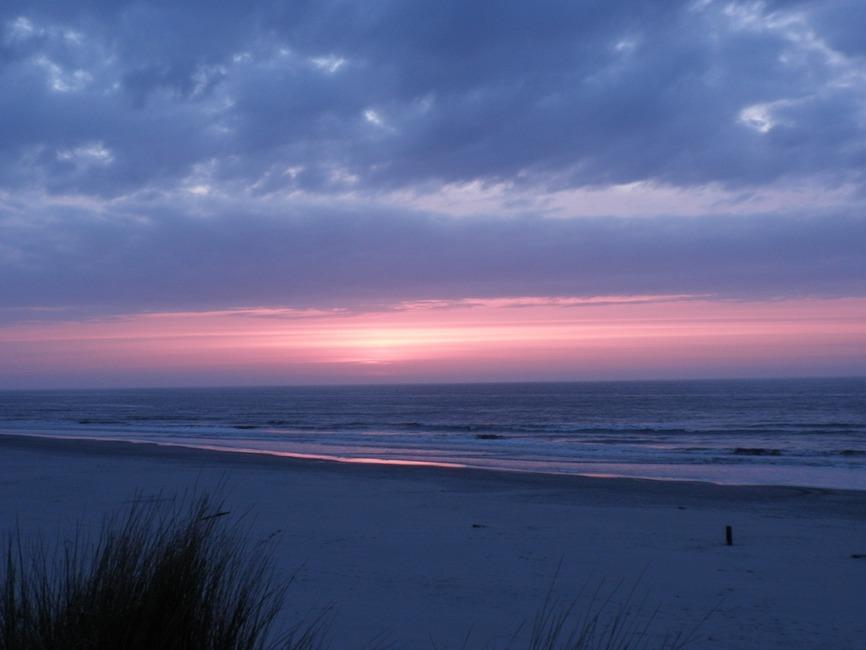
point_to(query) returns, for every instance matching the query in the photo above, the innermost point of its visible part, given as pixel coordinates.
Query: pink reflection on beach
(361, 460)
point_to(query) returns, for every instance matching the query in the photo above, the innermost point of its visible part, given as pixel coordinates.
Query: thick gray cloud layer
(107, 96)
(113, 113)
(314, 257)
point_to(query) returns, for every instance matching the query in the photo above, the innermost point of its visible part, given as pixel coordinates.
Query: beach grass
(165, 573)
(611, 618)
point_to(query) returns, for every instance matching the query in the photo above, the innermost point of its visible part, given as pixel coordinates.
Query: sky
(326, 191)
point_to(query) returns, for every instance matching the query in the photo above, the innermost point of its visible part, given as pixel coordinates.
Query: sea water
(785, 432)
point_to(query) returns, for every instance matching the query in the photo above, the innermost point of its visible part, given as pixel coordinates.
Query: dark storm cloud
(557, 94)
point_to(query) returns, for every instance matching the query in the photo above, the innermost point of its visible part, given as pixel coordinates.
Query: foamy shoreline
(834, 478)
(410, 552)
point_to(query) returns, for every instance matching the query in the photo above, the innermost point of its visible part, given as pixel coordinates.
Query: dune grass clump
(617, 620)
(163, 574)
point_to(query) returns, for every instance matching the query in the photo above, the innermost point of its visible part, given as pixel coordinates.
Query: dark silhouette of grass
(163, 575)
(613, 619)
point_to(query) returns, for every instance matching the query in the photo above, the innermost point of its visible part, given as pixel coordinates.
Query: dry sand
(419, 556)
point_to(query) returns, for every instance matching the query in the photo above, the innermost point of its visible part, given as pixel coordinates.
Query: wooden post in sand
(729, 536)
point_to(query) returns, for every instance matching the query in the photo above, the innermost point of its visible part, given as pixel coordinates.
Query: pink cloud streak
(509, 339)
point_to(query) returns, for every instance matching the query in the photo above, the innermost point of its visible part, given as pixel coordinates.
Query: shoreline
(89, 445)
(407, 463)
(846, 502)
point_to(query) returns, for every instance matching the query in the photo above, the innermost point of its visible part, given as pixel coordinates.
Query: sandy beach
(422, 557)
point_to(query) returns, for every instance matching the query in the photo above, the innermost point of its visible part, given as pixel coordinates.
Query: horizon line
(658, 380)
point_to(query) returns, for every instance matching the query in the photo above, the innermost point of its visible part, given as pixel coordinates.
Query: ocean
(783, 432)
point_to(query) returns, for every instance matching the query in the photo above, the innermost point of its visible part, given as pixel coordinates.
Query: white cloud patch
(329, 64)
(93, 154)
(758, 117)
(625, 45)
(373, 117)
(62, 80)
(20, 29)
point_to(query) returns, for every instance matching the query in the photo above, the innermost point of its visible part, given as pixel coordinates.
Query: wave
(756, 451)
(603, 433)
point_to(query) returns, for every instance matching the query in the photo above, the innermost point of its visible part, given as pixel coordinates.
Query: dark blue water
(795, 432)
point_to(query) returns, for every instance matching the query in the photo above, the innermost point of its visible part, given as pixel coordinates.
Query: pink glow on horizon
(503, 338)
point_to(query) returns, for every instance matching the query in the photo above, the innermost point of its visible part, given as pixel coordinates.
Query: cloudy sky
(333, 191)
